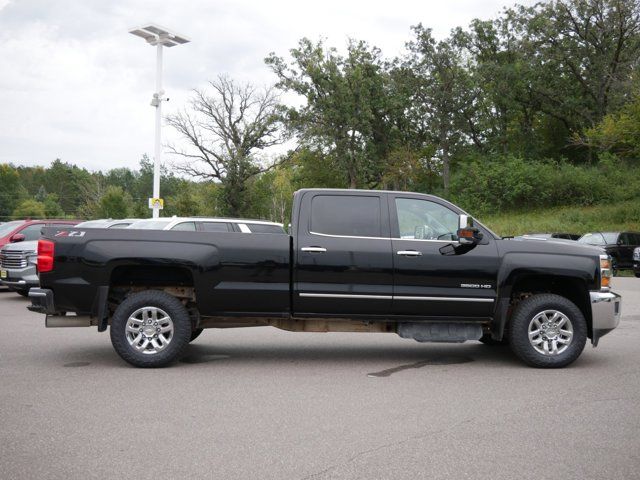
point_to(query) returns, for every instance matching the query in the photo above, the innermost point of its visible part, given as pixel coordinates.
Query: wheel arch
(526, 284)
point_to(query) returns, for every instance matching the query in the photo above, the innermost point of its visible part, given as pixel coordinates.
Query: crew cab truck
(355, 261)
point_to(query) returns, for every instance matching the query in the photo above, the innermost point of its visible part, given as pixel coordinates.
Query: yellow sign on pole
(156, 203)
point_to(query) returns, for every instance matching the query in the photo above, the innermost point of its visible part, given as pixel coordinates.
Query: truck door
(428, 283)
(342, 255)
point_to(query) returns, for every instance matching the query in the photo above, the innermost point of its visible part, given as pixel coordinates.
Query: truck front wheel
(150, 329)
(547, 331)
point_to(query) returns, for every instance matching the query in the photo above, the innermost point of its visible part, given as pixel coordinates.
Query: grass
(620, 216)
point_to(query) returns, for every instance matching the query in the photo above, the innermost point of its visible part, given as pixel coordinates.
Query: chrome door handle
(409, 253)
(313, 249)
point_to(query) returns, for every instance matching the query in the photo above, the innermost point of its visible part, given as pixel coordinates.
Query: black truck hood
(549, 245)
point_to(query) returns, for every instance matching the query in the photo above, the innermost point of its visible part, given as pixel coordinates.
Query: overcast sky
(75, 85)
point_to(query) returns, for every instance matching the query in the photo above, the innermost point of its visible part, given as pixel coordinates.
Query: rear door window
(342, 215)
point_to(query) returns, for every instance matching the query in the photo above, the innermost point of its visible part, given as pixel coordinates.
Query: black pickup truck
(355, 261)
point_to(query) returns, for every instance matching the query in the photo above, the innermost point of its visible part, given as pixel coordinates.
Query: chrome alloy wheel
(149, 330)
(550, 332)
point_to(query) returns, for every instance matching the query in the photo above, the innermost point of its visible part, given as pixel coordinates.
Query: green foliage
(508, 183)
(346, 112)
(52, 208)
(114, 203)
(618, 132)
(11, 191)
(573, 219)
(30, 209)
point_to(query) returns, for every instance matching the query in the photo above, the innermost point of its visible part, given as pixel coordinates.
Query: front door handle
(409, 253)
(313, 249)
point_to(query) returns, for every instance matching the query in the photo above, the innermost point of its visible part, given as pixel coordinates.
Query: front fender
(551, 268)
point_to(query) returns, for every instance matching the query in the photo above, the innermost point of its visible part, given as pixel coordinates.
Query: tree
(70, 183)
(344, 117)
(52, 208)
(114, 203)
(442, 95)
(11, 191)
(583, 52)
(29, 209)
(618, 132)
(227, 130)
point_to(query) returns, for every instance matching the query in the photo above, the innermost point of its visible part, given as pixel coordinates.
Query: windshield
(599, 238)
(158, 224)
(6, 228)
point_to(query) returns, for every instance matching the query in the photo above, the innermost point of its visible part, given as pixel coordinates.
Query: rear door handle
(409, 253)
(314, 249)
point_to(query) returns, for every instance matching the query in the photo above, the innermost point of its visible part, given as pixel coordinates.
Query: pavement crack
(384, 446)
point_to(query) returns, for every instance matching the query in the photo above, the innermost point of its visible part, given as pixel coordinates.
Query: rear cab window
(346, 215)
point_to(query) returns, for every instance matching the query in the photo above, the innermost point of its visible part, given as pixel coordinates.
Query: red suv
(23, 230)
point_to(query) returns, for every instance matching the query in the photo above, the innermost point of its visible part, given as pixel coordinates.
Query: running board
(440, 332)
(57, 321)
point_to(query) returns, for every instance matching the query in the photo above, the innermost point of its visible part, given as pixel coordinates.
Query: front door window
(425, 220)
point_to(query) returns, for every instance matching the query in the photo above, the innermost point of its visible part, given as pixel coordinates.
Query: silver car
(18, 266)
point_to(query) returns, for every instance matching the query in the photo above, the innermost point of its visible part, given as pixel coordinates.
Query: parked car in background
(619, 245)
(205, 224)
(636, 261)
(108, 223)
(18, 266)
(18, 257)
(26, 230)
(563, 236)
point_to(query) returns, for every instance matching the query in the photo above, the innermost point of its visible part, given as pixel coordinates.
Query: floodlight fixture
(158, 37)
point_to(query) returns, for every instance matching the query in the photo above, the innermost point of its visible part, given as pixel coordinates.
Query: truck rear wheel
(547, 331)
(150, 329)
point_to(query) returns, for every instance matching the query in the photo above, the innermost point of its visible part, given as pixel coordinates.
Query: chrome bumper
(605, 313)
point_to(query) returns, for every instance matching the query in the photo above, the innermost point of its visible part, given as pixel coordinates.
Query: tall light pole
(158, 37)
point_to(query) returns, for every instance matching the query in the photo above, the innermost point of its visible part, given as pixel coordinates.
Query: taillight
(605, 271)
(46, 250)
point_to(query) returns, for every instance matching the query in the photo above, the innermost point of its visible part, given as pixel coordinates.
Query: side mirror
(469, 236)
(18, 237)
(467, 233)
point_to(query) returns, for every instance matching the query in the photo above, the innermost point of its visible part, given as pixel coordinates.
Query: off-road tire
(523, 315)
(181, 329)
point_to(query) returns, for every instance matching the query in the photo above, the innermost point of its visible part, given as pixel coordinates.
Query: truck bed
(234, 274)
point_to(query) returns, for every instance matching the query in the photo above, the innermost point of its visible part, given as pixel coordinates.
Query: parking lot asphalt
(260, 403)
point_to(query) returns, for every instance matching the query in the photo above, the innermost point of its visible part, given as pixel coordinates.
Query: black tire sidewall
(519, 330)
(151, 298)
